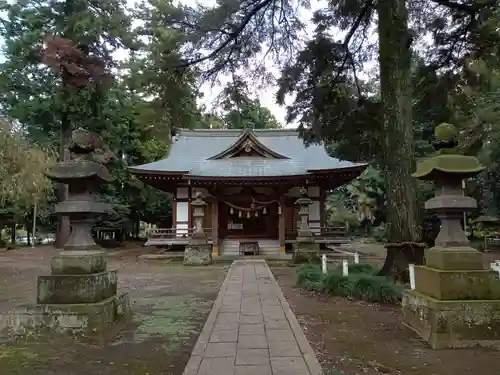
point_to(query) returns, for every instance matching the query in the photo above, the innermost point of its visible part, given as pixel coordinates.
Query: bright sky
(265, 95)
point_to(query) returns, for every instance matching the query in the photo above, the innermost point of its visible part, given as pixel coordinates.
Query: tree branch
(231, 36)
(467, 8)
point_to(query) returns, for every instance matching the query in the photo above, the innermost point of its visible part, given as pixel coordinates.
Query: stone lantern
(303, 230)
(305, 239)
(199, 206)
(198, 251)
(455, 302)
(80, 296)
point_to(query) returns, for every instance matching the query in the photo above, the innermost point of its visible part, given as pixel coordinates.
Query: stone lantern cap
(448, 163)
(304, 199)
(198, 204)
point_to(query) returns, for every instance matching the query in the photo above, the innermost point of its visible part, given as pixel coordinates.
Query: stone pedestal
(198, 255)
(456, 302)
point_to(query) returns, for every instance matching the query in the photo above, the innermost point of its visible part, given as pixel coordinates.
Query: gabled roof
(247, 142)
(207, 153)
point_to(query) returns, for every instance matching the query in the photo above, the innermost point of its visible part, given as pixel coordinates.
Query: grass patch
(361, 284)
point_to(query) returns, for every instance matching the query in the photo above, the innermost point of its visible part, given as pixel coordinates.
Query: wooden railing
(335, 231)
(179, 233)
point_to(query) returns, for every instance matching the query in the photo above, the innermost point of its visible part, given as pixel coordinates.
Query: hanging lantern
(231, 211)
(256, 213)
(248, 214)
(264, 211)
(240, 214)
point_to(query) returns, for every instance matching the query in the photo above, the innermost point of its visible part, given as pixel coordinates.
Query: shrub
(336, 284)
(306, 258)
(308, 272)
(358, 285)
(362, 268)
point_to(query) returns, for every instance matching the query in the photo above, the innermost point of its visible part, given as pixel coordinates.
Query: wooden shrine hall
(250, 180)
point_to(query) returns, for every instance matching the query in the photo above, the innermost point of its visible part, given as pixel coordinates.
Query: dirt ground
(359, 338)
(170, 303)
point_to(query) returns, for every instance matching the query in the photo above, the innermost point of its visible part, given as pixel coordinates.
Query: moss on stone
(465, 166)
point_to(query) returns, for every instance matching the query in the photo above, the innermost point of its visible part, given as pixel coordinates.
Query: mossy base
(198, 255)
(71, 289)
(457, 285)
(78, 262)
(454, 258)
(452, 324)
(86, 320)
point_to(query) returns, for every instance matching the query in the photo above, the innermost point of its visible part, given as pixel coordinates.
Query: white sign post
(323, 264)
(345, 267)
(411, 268)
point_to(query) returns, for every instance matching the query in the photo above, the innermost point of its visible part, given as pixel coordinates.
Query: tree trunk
(395, 87)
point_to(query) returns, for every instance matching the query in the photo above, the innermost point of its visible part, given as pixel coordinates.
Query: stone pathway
(251, 329)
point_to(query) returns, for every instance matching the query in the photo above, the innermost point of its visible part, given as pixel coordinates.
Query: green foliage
(361, 283)
(22, 168)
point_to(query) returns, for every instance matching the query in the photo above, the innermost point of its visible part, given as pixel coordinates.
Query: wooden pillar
(281, 224)
(190, 209)
(215, 228)
(174, 211)
(322, 203)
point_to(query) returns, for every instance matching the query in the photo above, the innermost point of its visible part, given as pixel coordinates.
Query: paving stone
(219, 366)
(251, 329)
(225, 335)
(250, 300)
(280, 335)
(222, 325)
(252, 342)
(251, 310)
(251, 319)
(289, 366)
(284, 349)
(274, 313)
(231, 301)
(227, 320)
(230, 308)
(252, 370)
(276, 323)
(252, 357)
(220, 349)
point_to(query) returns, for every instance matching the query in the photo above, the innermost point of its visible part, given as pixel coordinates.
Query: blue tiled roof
(191, 149)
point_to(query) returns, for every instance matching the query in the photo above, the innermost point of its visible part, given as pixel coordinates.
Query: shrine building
(250, 181)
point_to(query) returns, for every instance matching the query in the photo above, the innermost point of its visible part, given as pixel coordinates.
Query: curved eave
(245, 178)
(149, 172)
(355, 169)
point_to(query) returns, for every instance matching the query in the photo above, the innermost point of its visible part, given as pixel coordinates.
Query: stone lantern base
(306, 249)
(456, 303)
(79, 298)
(198, 252)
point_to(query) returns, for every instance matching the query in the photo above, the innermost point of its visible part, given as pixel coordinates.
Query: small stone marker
(356, 258)
(345, 267)
(323, 264)
(411, 269)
